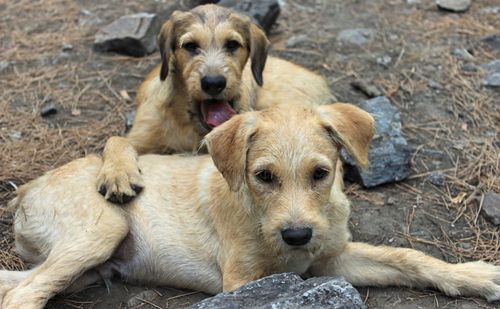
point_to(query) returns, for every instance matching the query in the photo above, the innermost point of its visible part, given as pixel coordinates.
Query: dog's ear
(350, 127)
(166, 43)
(228, 145)
(259, 46)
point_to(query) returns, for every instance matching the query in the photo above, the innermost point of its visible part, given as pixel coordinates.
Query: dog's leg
(119, 179)
(68, 260)
(366, 265)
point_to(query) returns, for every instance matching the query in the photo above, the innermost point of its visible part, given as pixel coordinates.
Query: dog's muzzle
(296, 236)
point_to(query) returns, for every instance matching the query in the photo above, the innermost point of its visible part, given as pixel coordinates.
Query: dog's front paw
(119, 183)
(483, 280)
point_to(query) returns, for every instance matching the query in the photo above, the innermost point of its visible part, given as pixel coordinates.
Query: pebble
(355, 36)
(296, 40)
(457, 6)
(15, 136)
(492, 80)
(436, 178)
(491, 207)
(384, 60)
(3, 65)
(492, 40)
(48, 110)
(462, 53)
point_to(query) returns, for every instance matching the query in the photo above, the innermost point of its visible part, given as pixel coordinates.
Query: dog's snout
(213, 84)
(296, 236)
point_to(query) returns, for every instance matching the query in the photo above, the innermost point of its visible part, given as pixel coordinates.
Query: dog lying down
(267, 199)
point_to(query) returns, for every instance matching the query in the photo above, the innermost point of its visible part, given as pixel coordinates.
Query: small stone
(129, 120)
(389, 153)
(462, 53)
(15, 136)
(3, 65)
(493, 41)
(457, 6)
(492, 66)
(434, 85)
(470, 67)
(67, 47)
(48, 110)
(355, 36)
(491, 207)
(436, 178)
(287, 290)
(263, 12)
(384, 60)
(296, 40)
(413, 1)
(391, 200)
(490, 10)
(492, 80)
(134, 35)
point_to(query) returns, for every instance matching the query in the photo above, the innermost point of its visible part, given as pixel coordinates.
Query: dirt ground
(449, 118)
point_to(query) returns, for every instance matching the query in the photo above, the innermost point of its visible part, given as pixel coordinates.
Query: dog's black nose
(213, 84)
(297, 237)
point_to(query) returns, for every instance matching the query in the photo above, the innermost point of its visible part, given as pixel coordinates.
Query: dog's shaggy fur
(174, 112)
(268, 200)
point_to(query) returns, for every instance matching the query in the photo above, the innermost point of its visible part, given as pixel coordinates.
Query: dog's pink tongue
(217, 113)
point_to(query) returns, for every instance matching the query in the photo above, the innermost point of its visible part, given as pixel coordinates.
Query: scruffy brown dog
(268, 200)
(204, 79)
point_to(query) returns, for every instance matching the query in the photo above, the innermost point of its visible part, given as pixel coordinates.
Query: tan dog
(268, 200)
(204, 79)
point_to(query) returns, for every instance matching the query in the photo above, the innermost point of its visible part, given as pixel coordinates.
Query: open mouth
(215, 112)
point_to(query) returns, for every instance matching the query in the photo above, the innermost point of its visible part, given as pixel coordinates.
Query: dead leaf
(125, 96)
(75, 112)
(459, 198)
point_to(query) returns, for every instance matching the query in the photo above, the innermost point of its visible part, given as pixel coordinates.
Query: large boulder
(288, 291)
(389, 154)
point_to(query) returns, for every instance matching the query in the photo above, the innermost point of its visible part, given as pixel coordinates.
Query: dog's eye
(320, 173)
(265, 176)
(232, 45)
(191, 47)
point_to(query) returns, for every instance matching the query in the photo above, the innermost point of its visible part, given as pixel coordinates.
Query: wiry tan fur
(167, 119)
(209, 223)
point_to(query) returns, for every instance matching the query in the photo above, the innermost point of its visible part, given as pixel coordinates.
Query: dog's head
(206, 50)
(285, 158)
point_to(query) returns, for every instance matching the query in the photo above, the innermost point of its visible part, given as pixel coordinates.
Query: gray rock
(48, 109)
(355, 36)
(492, 66)
(457, 6)
(129, 120)
(67, 47)
(384, 60)
(287, 291)
(3, 65)
(296, 40)
(490, 10)
(492, 80)
(462, 53)
(470, 67)
(263, 12)
(389, 154)
(436, 178)
(491, 207)
(15, 135)
(134, 35)
(493, 41)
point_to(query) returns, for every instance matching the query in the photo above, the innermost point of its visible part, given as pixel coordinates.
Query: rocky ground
(60, 100)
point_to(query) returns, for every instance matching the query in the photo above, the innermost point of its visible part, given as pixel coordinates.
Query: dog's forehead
(210, 20)
(290, 133)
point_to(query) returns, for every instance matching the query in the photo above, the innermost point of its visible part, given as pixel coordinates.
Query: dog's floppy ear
(166, 43)
(351, 127)
(259, 46)
(228, 145)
